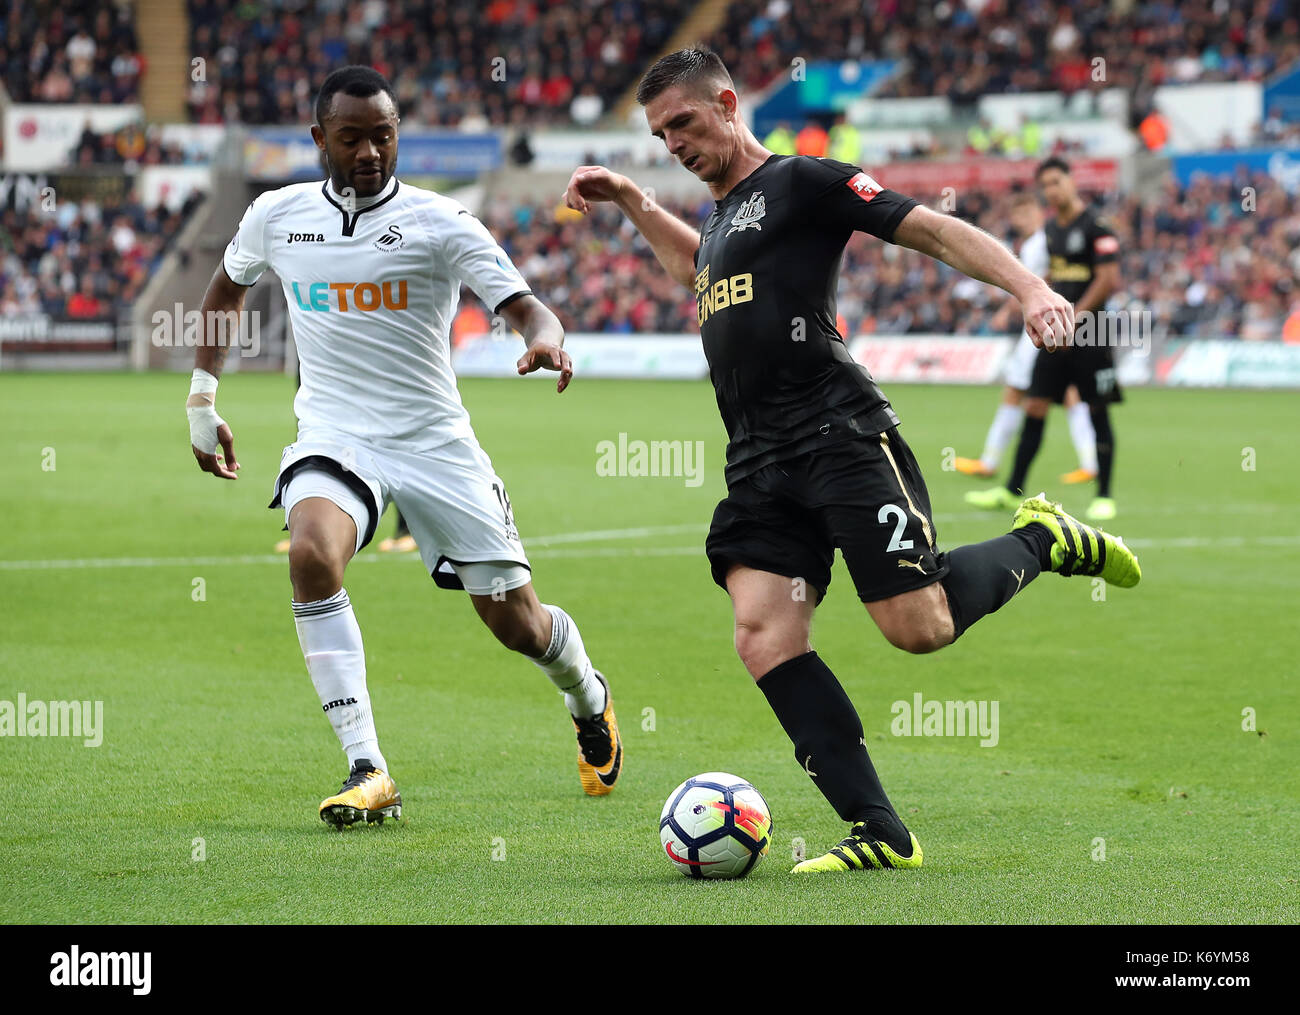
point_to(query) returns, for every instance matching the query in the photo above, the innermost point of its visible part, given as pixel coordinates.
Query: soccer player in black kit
(1085, 270)
(815, 459)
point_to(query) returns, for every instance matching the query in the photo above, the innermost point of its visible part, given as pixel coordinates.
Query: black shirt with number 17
(767, 270)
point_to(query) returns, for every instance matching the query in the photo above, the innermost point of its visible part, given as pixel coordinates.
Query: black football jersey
(1076, 249)
(767, 270)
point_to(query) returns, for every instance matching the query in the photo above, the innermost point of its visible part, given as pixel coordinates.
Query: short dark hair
(356, 80)
(683, 67)
(1019, 198)
(1055, 162)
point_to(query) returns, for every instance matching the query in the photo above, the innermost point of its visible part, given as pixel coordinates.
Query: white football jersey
(1033, 253)
(372, 287)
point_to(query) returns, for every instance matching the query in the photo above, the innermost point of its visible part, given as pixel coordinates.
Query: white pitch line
(599, 534)
(1200, 543)
(592, 536)
(1175, 543)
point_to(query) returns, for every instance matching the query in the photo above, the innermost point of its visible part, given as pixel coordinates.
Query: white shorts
(1019, 368)
(455, 505)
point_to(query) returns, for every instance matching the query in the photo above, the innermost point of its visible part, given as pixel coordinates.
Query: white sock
(336, 660)
(1083, 435)
(1006, 421)
(566, 663)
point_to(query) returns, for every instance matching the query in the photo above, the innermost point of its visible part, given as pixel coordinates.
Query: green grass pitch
(1123, 787)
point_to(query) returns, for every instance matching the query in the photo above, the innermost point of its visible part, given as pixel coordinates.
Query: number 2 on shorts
(896, 543)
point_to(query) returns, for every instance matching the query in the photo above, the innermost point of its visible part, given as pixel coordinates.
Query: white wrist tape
(204, 420)
(203, 383)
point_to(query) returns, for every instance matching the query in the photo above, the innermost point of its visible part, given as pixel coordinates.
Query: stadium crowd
(85, 260)
(1204, 260)
(509, 62)
(965, 50)
(452, 62)
(1214, 259)
(134, 144)
(59, 52)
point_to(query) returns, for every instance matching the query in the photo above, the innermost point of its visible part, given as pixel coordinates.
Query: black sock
(982, 577)
(1031, 436)
(1105, 447)
(402, 530)
(828, 743)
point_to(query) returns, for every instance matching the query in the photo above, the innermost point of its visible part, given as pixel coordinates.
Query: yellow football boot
(369, 795)
(1079, 548)
(600, 748)
(1080, 475)
(972, 467)
(999, 498)
(861, 851)
(1102, 509)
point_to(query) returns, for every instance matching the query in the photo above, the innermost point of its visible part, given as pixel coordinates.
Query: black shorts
(864, 496)
(1090, 368)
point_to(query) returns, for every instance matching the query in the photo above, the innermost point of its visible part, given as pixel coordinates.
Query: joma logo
(337, 702)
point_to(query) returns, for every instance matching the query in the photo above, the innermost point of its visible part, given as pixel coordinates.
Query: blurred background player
(401, 541)
(380, 420)
(1026, 216)
(1084, 269)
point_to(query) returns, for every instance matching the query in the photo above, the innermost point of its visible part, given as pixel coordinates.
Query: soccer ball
(715, 825)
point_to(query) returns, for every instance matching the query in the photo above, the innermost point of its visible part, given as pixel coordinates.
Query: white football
(715, 825)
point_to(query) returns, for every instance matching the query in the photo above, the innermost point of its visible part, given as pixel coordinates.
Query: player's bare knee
(520, 630)
(909, 639)
(762, 647)
(920, 635)
(517, 638)
(315, 568)
(530, 639)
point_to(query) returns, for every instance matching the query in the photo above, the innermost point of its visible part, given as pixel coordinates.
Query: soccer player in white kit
(371, 269)
(1027, 222)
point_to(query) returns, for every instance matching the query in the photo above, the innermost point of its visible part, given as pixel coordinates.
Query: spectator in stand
(812, 140)
(781, 140)
(1291, 326)
(521, 151)
(587, 107)
(134, 143)
(469, 322)
(1154, 131)
(845, 142)
(84, 304)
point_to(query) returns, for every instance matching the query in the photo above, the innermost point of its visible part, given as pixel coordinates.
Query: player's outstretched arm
(1049, 318)
(544, 337)
(221, 305)
(672, 240)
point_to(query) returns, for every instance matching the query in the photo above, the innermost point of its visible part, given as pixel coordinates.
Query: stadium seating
(964, 51)
(1188, 257)
(83, 52)
(1191, 257)
(472, 64)
(86, 260)
(567, 62)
